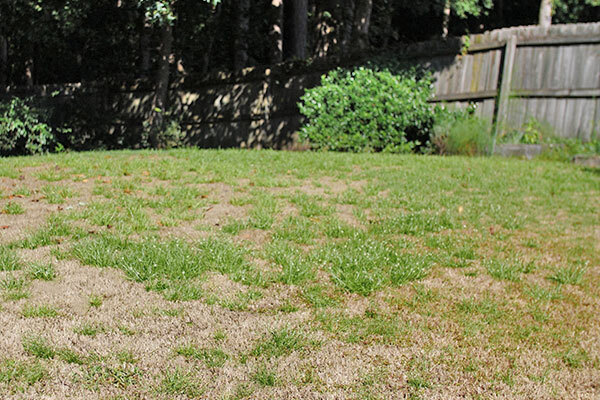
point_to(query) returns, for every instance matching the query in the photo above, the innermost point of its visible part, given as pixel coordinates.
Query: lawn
(261, 274)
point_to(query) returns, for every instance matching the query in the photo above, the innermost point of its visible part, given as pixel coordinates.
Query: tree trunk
(159, 103)
(362, 22)
(347, 24)
(276, 31)
(3, 61)
(446, 18)
(145, 47)
(242, 27)
(213, 25)
(295, 29)
(545, 13)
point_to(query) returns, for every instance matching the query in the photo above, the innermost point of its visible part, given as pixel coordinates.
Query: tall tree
(241, 10)
(295, 29)
(362, 23)
(545, 19)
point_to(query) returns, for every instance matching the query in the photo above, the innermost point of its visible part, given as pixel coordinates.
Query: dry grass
(230, 275)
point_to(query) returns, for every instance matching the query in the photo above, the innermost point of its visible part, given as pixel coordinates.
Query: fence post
(503, 98)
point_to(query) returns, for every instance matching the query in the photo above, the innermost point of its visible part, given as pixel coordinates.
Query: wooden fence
(550, 74)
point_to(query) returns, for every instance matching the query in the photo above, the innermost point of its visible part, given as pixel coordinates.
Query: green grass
(12, 208)
(572, 275)
(280, 342)
(212, 357)
(44, 272)
(9, 260)
(89, 329)
(38, 347)
(264, 377)
(21, 374)
(41, 311)
(180, 383)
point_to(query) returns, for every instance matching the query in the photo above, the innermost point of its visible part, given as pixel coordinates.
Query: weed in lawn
(41, 271)
(575, 358)
(571, 275)
(37, 346)
(280, 342)
(12, 208)
(180, 383)
(264, 376)
(41, 311)
(9, 260)
(212, 357)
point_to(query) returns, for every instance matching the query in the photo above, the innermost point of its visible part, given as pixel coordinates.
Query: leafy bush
(367, 110)
(24, 129)
(461, 133)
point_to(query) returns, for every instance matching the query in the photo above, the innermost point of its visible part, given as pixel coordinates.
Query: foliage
(367, 110)
(532, 131)
(460, 133)
(24, 129)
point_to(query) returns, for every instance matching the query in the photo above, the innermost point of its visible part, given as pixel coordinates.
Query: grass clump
(280, 342)
(9, 260)
(44, 272)
(295, 266)
(179, 383)
(365, 265)
(12, 208)
(38, 346)
(572, 275)
(21, 373)
(172, 261)
(41, 311)
(462, 134)
(264, 376)
(212, 357)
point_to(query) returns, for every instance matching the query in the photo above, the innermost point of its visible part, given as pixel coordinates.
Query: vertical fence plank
(503, 98)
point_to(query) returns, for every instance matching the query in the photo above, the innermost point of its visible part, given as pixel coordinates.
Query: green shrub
(367, 110)
(23, 129)
(461, 134)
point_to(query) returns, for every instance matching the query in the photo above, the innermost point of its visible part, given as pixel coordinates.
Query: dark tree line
(55, 41)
